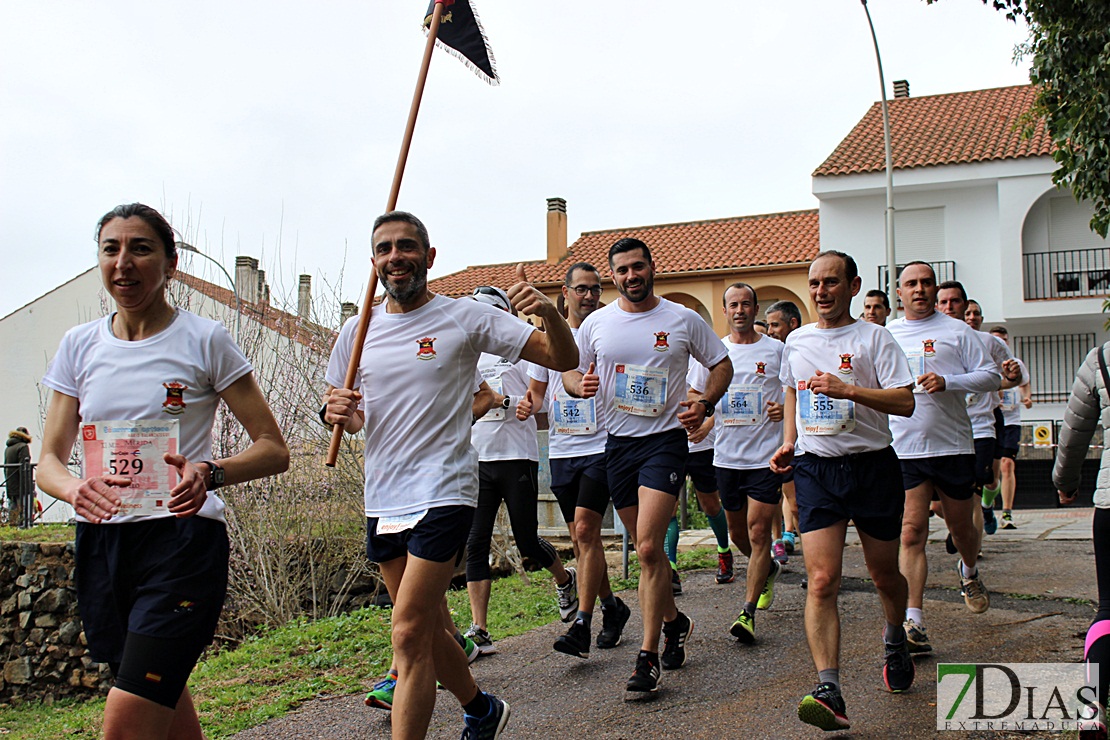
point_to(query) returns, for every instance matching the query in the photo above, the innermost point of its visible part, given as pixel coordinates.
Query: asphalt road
(729, 690)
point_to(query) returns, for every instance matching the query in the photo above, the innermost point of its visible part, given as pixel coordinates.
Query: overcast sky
(271, 129)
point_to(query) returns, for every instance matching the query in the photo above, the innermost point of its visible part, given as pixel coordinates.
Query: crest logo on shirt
(661, 341)
(426, 351)
(175, 398)
(761, 368)
(845, 364)
(929, 347)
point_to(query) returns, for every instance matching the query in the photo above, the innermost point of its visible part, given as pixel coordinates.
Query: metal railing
(1078, 273)
(18, 507)
(945, 270)
(1053, 361)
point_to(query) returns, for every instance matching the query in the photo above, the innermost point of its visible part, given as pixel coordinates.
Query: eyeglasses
(581, 290)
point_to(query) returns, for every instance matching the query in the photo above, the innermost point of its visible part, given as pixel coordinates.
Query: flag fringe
(491, 81)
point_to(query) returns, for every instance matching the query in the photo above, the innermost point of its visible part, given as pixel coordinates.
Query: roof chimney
(901, 88)
(346, 311)
(556, 230)
(263, 288)
(304, 297)
(246, 279)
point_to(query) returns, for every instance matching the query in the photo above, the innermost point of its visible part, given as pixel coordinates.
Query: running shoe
(778, 552)
(724, 567)
(471, 649)
(743, 629)
(381, 696)
(576, 641)
(481, 638)
(490, 726)
(1008, 520)
(824, 708)
(950, 545)
(917, 638)
(767, 596)
(675, 635)
(975, 593)
(990, 521)
(789, 540)
(613, 620)
(898, 670)
(676, 582)
(645, 677)
(568, 597)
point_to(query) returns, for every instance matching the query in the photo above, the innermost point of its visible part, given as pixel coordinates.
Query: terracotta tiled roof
(955, 128)
(695, 246)
(288, 325)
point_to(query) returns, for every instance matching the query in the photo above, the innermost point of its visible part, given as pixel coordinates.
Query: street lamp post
(190, 248)
(891, 265)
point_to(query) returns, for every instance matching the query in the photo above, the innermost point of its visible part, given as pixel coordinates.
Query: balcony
(1078, 273)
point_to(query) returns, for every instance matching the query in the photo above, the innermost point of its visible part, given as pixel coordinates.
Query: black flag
(461, 34)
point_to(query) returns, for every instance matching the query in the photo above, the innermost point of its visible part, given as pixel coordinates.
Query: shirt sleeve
(705, 346)
(980, 375)
(586, 353)
(499, 333)
(697, 376)
(891, 366)
(336, 374)
(61, 375)
(227, 363)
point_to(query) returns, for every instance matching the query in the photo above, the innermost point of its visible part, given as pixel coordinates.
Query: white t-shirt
(417, 376)
(946, 346)
(860, 354)
(981, 406)
(696, 378)
(1009, 400)
(118, 380)
(642, 360)
(746, 439)
(499, 435)
(576, 426)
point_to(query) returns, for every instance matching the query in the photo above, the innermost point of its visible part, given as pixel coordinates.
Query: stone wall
(42, 646)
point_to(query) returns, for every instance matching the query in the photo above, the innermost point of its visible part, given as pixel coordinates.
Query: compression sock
(479, 706)
(719, 525)
(829, 675)
(989, 495)
(586, 618)
(609, 601)
(670, 542)
(893, 634)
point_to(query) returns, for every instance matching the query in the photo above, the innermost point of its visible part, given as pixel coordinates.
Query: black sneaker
(676, 583)
(576, 641)
(675, 635)
(824, 708)
(613, 620)
(725, 573)
(898, 671)
(490, 726)
(950, 545)
(645, 678)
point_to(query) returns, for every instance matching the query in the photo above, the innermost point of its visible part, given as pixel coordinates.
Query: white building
(976, 200)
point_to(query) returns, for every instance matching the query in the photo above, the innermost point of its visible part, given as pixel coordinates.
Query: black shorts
(580, 482)
(866, 488)
(984, 461)
(1008, 437)
(952, 475)
(440, 537)
(164, 578)
(737, 486)
(699, 466)
(656, 461)
(788, 477)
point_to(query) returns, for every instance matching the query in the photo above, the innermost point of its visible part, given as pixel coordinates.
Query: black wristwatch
(506, 403)
(708, 407)
(215, 475)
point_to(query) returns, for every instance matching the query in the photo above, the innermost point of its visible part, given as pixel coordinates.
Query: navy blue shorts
(866, 488)
(1008, 438)
(164, 578)
(737, 486)
(580, 482)
(656, 461)
(440, 537)
(952, 475)
(699, 466)
(984, 461)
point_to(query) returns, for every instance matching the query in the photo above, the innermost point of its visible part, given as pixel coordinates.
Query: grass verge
(39, 533)
(272, 673)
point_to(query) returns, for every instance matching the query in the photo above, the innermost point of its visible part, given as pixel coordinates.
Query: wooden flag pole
(394, 191)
